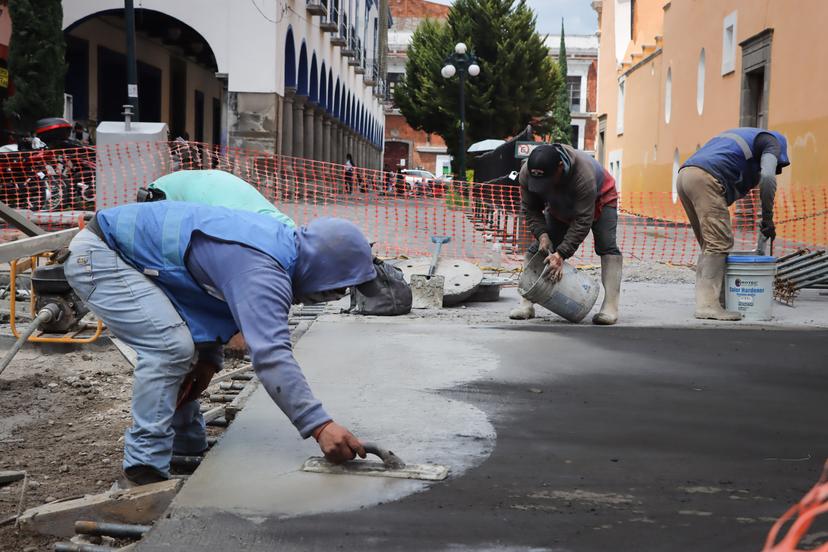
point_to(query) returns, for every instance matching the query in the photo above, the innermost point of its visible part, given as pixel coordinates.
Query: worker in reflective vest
(176, 280)
(724, 170)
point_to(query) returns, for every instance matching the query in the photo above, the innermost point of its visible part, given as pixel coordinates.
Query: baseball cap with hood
(542, 164)
(332, 254)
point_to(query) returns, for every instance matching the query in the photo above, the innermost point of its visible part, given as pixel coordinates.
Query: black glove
(768, 229)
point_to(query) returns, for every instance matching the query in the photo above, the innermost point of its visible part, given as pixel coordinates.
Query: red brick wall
(591, 130)
(397, 129)
(420, 9)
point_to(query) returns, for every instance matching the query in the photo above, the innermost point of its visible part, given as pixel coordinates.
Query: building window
(574, 86)
(668, 96)
(574, 133)
(700, 82)
(729, 44)
(676, 167)
(393, 79)
(623, 27)
(619, 124)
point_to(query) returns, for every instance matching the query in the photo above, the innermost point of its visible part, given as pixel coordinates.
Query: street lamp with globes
(464, 63)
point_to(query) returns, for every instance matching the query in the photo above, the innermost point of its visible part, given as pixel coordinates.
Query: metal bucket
(572, 297)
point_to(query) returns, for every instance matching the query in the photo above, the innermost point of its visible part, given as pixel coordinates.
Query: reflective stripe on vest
(741, 142)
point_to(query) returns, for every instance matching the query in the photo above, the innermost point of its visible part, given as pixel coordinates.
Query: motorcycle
(48, 171)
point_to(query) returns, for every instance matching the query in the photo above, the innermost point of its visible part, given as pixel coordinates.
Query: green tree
(518, 82)
(561, 121)
(36, 61)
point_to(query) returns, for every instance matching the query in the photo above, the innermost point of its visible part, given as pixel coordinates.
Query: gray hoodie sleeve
(532, 205)
(767, 185)
(258, 293)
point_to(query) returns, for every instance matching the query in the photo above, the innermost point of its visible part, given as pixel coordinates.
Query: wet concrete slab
(606, 438)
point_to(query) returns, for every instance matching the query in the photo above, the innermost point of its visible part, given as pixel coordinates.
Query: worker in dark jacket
(176, 280)
(565, 193)
(724, 170)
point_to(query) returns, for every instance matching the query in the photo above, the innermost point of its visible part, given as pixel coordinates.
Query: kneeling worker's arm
(259, 294)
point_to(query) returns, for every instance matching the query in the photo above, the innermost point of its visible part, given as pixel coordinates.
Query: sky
(578, 15)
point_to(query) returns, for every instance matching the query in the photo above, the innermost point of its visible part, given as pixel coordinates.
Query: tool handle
(390, 459)
(433, 266)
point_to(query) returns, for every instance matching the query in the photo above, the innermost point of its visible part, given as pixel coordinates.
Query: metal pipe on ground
(795, 258)
(46, 314)
(116, 530)
(808, 283)
(186, 461)
(783, 260)
(77, 547)
(223, 398)
(807, 260)
(804, 273)
(807, 274)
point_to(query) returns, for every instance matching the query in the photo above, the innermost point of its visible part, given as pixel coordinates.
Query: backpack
(394, 298)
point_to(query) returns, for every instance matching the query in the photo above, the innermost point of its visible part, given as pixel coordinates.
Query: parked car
(418, 181)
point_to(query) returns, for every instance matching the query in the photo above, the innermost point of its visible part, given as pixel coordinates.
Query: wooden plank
(139, 505)
(35, 245)
(13, 217)
(11, 476)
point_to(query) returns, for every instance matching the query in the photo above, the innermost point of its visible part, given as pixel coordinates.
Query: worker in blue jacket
(724, 170)
(176, 280)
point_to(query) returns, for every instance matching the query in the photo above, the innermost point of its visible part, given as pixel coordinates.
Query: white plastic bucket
(572, 297)
(749, 286)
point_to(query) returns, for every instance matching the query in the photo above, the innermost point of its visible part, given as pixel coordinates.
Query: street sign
(523, 149)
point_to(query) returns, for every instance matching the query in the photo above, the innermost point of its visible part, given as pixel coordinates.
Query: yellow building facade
(672, 75)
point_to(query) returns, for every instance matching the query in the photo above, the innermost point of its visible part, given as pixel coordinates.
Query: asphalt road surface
(606, 439)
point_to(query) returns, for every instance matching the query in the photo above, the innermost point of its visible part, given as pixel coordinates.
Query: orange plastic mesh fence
(791, 531)
(400, 213)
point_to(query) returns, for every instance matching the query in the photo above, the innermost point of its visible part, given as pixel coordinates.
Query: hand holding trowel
(391, 466)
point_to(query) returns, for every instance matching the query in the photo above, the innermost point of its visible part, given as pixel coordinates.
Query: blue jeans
(140, 314)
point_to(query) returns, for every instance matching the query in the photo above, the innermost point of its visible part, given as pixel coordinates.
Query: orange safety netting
(53, 187)
(799, 519)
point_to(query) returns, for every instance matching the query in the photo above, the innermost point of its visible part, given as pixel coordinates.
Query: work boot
(525, 311)
(135, 476)
(611, 270)
(709, 278)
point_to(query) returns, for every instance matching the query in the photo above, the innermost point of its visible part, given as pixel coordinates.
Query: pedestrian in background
(349, 173)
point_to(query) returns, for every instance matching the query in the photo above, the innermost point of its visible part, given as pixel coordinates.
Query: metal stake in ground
(427, 289)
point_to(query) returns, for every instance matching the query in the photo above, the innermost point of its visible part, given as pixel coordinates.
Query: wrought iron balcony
(329, 21)
(317, 7)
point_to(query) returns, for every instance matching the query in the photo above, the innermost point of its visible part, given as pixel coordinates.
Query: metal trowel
(427, 289)
(391, 466)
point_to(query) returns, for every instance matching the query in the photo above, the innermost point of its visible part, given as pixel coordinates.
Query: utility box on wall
(127, 159)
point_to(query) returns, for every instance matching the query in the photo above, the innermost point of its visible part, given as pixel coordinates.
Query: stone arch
(313, 85)
(323, 87)
(337, 105)
(76, 13)
(302, 76)
(330, 97)
(290, 60)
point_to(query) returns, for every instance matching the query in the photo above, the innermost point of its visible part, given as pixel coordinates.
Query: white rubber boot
(709, 278)
(525, 311)
(611, 272)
